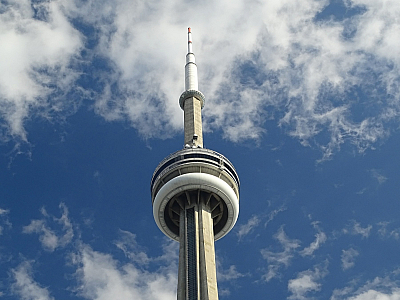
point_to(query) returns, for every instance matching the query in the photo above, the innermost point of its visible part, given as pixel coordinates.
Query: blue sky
(302, 96)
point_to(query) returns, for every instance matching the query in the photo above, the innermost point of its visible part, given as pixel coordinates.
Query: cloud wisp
(128, 244)
(348, 258)
(377, 174)
(245, 229)
(307, 282)
(355, 228)
(386, 230)
(52, 239)
(255, 220)
(320, 238)
(278, 260)
(25, 285)
(4, 220)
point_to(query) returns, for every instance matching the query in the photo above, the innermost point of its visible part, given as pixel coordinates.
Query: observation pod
(195, 175)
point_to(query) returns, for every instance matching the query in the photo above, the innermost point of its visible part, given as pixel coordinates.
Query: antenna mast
(192, 101)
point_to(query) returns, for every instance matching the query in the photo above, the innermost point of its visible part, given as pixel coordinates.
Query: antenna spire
(190, 50)
(191, 79)
(192, 100)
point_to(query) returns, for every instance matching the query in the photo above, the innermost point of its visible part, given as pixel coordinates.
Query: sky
(302, 96)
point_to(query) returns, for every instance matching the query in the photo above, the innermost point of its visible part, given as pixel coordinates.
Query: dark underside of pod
(217, 207)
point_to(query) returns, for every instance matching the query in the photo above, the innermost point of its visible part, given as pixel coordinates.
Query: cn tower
(195, 195)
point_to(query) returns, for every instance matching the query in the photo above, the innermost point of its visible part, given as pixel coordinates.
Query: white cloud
(140, 40)
(320, 238)
(170, 252)
(245, 229)
(25, 286)
(227, 274)
(382, 231)
(395, 233)
(385, 232)
(273, 214)
(357, 229)
(223, 292)
(4, 219)
(362, 191)
(4, 211)
(380, 288)
(36, 52)
(375, 295)
(50, 238)
(377, 174)
(127, 243)
(348, 257)
(307, 282)
(277, 260)
(255, 220)
(101, 277)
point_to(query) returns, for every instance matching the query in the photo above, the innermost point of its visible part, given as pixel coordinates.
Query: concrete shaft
(192, 122)
(197, 278)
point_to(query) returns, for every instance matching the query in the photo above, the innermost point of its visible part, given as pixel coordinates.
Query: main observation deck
(195, 173)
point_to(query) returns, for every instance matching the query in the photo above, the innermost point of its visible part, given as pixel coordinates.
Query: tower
(195, 195)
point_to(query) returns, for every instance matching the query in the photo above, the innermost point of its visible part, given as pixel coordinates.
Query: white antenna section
(191, 79)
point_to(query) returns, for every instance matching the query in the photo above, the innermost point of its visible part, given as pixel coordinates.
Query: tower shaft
(192, 122)
(197, 279)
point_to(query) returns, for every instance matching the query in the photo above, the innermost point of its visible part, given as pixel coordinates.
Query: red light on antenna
(189, 30)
